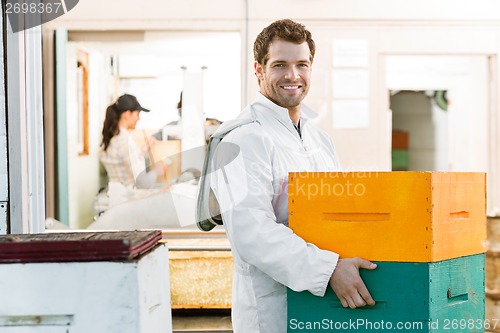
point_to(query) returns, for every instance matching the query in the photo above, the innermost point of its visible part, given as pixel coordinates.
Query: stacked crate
(493, 274)
(425, 230)
(399, 152)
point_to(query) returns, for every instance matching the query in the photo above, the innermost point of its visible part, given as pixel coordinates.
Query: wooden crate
(426, 297)
(391, 216)
(200, 279)
(87, 296)
(493, 233)
(400, 139)
(77, 246)
(493, 271)
(170, 153)
(399, 159)
(492, 312)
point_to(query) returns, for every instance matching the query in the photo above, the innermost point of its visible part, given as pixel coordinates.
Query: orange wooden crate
(391, 216)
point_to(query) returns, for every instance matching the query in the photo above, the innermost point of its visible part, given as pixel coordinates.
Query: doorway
(439, 113)
(419, 130)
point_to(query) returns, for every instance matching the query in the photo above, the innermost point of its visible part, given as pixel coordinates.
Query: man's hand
(348, 285)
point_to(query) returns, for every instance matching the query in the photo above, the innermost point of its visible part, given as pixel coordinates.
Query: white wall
(168, 13)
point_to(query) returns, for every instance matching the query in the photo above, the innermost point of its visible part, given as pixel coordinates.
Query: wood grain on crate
(391, 216)
(493, 313)
(413, 293)
(494, 234)
(200, 279)
(493, 273)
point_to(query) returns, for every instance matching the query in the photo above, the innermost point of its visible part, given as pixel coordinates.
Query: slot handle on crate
(356, 217)
(459, 215)
(37, 320)
(378, 305)
(457, 298)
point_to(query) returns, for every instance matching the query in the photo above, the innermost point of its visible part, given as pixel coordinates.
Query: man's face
(286, 76)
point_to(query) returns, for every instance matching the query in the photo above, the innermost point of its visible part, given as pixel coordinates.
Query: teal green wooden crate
(444, 296)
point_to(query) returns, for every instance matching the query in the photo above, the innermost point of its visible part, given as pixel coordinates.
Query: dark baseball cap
(128, 102)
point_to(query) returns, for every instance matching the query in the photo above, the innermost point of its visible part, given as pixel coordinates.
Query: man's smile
(290, 87)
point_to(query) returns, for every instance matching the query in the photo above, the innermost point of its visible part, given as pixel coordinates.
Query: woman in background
(120, 155)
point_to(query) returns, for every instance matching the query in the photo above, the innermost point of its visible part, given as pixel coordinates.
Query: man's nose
(292, 73)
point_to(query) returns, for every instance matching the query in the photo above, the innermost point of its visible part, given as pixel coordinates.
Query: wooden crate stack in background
(425, 230)
(399, 152)
(493, 274)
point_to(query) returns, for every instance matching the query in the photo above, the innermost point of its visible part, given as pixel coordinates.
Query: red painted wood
(76, 246)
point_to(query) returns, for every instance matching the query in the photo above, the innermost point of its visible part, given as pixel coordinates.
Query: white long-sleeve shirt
(250, 185)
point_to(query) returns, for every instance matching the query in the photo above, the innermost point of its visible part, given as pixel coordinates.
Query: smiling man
(274, 135)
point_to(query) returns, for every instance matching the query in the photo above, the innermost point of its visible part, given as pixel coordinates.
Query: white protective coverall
(253, 199)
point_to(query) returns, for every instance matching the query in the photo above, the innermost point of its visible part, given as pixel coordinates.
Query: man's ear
(258, 70)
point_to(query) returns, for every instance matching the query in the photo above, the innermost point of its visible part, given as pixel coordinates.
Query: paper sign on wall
(350, 53)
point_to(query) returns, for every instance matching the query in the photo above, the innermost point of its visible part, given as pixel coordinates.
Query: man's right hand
(348, 285)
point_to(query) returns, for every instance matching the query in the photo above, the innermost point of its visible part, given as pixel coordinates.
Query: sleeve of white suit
(244, 190)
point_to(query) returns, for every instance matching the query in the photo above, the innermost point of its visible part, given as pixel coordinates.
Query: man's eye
(278, 65)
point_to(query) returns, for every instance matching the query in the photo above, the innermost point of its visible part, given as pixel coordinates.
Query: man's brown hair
(286, 30)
